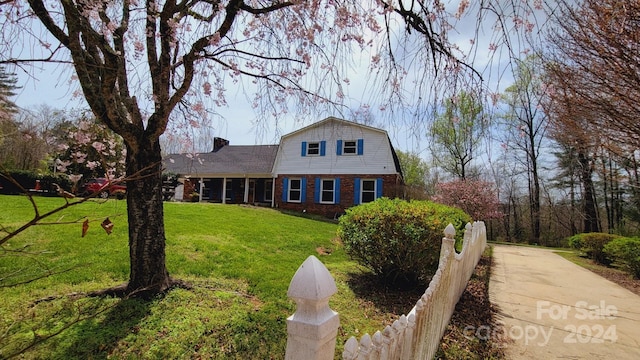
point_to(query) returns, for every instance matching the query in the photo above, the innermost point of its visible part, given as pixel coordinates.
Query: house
(323, 168)
(228, 174)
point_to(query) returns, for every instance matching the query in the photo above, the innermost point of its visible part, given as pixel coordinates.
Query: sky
(48, 84)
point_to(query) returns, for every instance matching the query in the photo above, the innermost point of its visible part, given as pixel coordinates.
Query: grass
(239, 261)
(611, 273)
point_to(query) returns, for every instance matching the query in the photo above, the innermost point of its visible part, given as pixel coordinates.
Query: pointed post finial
(313, 328)
(450, 231)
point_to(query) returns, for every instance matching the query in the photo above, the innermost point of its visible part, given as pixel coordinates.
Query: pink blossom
(84, 125)
(62, 165)
(82, 138)
(138, 46)
(198, 107)
(91, 165)
(214, 39)
(98, 146)
(477, 198)
(74, 178)
(206, 88)
(495, 97)
(461, 8)
(80, 157)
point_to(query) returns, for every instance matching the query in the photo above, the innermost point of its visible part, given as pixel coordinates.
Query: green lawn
(239, 261)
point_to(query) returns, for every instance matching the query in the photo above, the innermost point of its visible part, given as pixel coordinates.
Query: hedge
(28, 179)
(399, 241)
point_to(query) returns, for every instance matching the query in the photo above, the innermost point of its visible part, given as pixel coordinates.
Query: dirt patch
(474, 310)
(617, 276)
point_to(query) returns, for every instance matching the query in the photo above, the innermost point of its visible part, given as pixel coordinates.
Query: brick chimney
(219, 143)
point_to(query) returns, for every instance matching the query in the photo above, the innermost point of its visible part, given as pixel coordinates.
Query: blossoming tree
(140, 64)
(143, 66)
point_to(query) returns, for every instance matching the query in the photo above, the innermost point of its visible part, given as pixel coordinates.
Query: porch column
(201, 189)
(246, 190)
(224, 190)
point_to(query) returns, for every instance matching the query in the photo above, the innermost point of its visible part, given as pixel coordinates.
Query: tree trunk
(534, 190)
(148, 272)
(591, 223)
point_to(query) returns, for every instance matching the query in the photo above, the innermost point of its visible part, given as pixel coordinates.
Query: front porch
(234, 190)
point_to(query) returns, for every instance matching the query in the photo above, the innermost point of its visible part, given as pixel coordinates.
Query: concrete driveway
(553, 309)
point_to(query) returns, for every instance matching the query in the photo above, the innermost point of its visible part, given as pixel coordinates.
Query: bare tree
(595, 44)
(526, 127)
(593, 79)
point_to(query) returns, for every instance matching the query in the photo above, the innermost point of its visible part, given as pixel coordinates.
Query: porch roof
(249, 160)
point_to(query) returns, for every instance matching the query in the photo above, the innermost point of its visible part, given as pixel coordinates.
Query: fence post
(448, 242)
(312, 329)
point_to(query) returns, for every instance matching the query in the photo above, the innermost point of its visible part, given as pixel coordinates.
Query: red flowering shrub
(475, 197)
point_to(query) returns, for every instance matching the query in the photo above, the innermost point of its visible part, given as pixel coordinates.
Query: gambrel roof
(259, 160)
(333, 127)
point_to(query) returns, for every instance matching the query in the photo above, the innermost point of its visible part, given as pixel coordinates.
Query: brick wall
(391, 187)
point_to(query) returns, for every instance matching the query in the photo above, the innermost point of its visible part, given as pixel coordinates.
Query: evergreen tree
(7, 90)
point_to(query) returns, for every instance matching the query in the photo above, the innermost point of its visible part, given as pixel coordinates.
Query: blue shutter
(323, 148)
(304, 148)
(360, 146)
(378, 188)
(336, 189)
(339, 147)
(285, 189)
(303, 190)
(356, 191)
(316, 191)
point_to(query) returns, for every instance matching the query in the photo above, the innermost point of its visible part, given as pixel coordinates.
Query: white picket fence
(313, 328)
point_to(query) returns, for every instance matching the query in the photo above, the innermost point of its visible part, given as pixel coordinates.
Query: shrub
(627, 252)
(398, 240)
(27, 179)
(592, 244)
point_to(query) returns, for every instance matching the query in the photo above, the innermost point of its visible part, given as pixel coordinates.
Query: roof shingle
(229, 160)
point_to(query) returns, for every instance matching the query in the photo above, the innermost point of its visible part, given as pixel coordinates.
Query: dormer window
(314, 148)
(349, 147)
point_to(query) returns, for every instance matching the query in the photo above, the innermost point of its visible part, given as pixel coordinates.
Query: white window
(327, 191)
(313, 149)
(367, 191)
(349, 147)
(295, 190)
